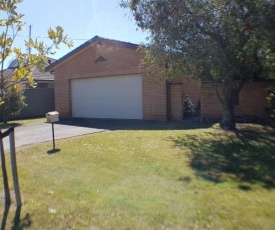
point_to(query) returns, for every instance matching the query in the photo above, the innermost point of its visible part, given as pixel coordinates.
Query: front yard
(163, 176)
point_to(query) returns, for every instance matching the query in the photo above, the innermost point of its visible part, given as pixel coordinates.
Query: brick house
(101, 79)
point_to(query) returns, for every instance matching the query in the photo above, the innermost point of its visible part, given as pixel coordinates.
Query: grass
(167, 176)
(16, 123)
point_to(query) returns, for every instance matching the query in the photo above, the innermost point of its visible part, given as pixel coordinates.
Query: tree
(10, 25)
(14, 103)
(225, 42)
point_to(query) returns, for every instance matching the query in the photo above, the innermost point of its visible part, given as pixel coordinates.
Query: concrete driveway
(42, 132)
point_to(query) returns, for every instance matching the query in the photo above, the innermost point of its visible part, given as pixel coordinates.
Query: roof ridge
(113, 40)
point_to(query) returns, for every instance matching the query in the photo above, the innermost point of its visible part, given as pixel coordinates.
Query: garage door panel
(108, 97)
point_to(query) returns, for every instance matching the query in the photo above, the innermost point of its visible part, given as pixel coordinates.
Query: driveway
(42, 132)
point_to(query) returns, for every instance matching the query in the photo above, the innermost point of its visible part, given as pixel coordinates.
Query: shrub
(14, 103)
(189, 109)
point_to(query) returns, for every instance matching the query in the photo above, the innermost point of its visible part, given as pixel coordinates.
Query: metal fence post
(14, 168)
(10, 133)
(4, 172)
(53, 136)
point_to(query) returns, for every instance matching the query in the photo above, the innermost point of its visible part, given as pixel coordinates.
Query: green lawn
(164, 176)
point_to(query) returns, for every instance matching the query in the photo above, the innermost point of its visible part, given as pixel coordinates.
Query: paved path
(42, 132)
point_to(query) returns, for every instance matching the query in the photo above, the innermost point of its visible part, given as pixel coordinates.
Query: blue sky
(81, 20)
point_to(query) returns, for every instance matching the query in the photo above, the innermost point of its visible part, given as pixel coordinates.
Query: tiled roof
(88, 43)
(37, 74)
(7, 72)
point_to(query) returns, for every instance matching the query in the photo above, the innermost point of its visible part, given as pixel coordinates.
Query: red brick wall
(119, 61)
(189, 87)
(192, 88)
(210, 105)
(154, 99)
(252, 101)
(62, 93)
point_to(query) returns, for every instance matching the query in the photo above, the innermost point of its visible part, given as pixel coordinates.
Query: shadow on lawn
(53, 151)
(131, 124)
(18, 223)
(247, 157)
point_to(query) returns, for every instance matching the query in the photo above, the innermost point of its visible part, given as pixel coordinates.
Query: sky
(81, 20)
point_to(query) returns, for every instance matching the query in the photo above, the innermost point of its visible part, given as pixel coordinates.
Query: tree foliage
(14, 103)
(230, 42)
(10, 25)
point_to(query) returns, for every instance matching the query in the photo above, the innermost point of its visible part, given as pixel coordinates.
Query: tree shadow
(132, 124)
(5, 216)
(248, 156)
(22, 223)
(18, 224)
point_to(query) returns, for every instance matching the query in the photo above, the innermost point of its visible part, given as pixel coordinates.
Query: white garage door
(107, 97)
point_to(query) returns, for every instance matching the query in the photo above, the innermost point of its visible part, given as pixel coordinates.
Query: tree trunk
(228, 121)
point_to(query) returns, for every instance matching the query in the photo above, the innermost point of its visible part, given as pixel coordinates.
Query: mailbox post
(52, 117)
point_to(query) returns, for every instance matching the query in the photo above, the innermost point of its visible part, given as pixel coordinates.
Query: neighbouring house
(42, 79)
(102, 79)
